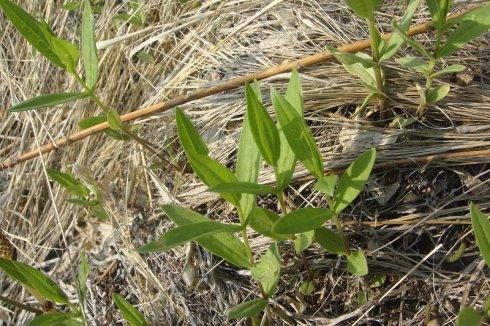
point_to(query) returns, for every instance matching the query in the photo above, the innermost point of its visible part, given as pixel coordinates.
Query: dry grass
(195, 48)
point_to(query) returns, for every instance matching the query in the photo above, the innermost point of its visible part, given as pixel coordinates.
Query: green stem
(243, 232)
(340, 228)
(428, 84)
(21, 305)
(378, 75)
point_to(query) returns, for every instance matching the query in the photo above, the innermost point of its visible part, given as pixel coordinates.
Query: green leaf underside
(301, 220)
(245, 188)
(363, 8)
(212, 173)
(65, 180)
(89, 50)
(47, 100)
(330, 240)
(437, 93)
(130, 313)
(394, 43)
(262, 220)
(248, 164)
(92, 121)
(247, 309)
(353, 180)
(189, 138)
(298, 135)
(114, 119)
(32, 278)
(481, 227)
(357, 263)
(58, 319)
(449, 70)
(472, 25)
(303, 240)
(469, 317)
(415, 63)
(185, 233)
(263, 129)
(224, 245)
(287, 158)
(413, 43)
(327, 184)
(67, 52)
(267, 271)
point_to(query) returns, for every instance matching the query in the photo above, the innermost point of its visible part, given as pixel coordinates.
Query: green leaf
(46, 100)
(363, 8)
(83, 202)
(185, 233)
(114, 119)
(72, 5)
(248, 164)
(262, 220)
(83, 272)
(307, 287)
(469, 317)
(263, 129)
(89, 49)
(92, 121)
(244, 188)
(130, 313)
(212, 173)
(32, 278)
(224, 245)
(99, 212)
(303, 240)
(415, 63)
(471, 25)
(481, 227)
(298, 135)
(377, 280)
(417, 46)
(33, 30)
(267, 271)
(58, 319)
(437, 93)
(330, 240)
(301, 220)
(391, 47)
(327, 184)
(67, 52)
(357, 68)
(438, 10)
(449, 70)
(189, 138)
(66, 180)
(287, 158)
(353, 180)
(247, 309)
(357, 263)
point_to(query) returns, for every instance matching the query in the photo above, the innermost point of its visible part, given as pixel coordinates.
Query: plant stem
(243, 232)
(428, 84)
(340, 227)
(20, 305)
(378, 75)
(282, 203)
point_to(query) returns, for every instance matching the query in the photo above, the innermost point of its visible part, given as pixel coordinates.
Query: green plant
(280, 145)
(451, 34)
(469, 316)
(368, 68)
(130, 313)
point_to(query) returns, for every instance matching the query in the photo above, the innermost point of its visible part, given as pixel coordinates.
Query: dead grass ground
(407, 211)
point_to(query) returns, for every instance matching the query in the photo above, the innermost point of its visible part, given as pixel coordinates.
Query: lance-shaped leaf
(437, 93)
(34, 279)
(438, 10)
(415, 63)
(248, 163)
(262, 220)
(327, 184)
(244, 188)
(67, 52)
(189, 138)
(263, 129)
(301, 220)
(188, 232)
(89, 50)
(92, 121)
(303, 240)
(212, 173)
(83, 272)
(298, 135)
(287, 158)
(330, 240)
(130, 313)
(267, 271)
(47, 100)
(69, 182)
(469, 317)
(33, 30)
(449, 70)
(413, 43)
(363, 8)
(391, 46)
(481, 227)
(471, 25)
(247, 309)
(353, 180)
(224, 245)
(58, 318)
(357, 263)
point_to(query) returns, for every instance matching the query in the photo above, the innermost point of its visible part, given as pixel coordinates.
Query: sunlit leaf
(353, 180)
(481, 227)
(268, 269)
(247, 309)
(262, 220)
(72, 5)
(89, 50)
(449, 70)
(47, 100)
(114, 119)
(189, 138)
(438, 10)
(301, 220)
(413, 43)
(357, 263)
(130, 313)
(57, 318)
(303, 240)
(67, 52)
(415, 63)
(327, 184)
(363, 8)
(437, 93)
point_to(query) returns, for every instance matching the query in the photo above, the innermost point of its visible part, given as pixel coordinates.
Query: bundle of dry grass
(408, 209)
